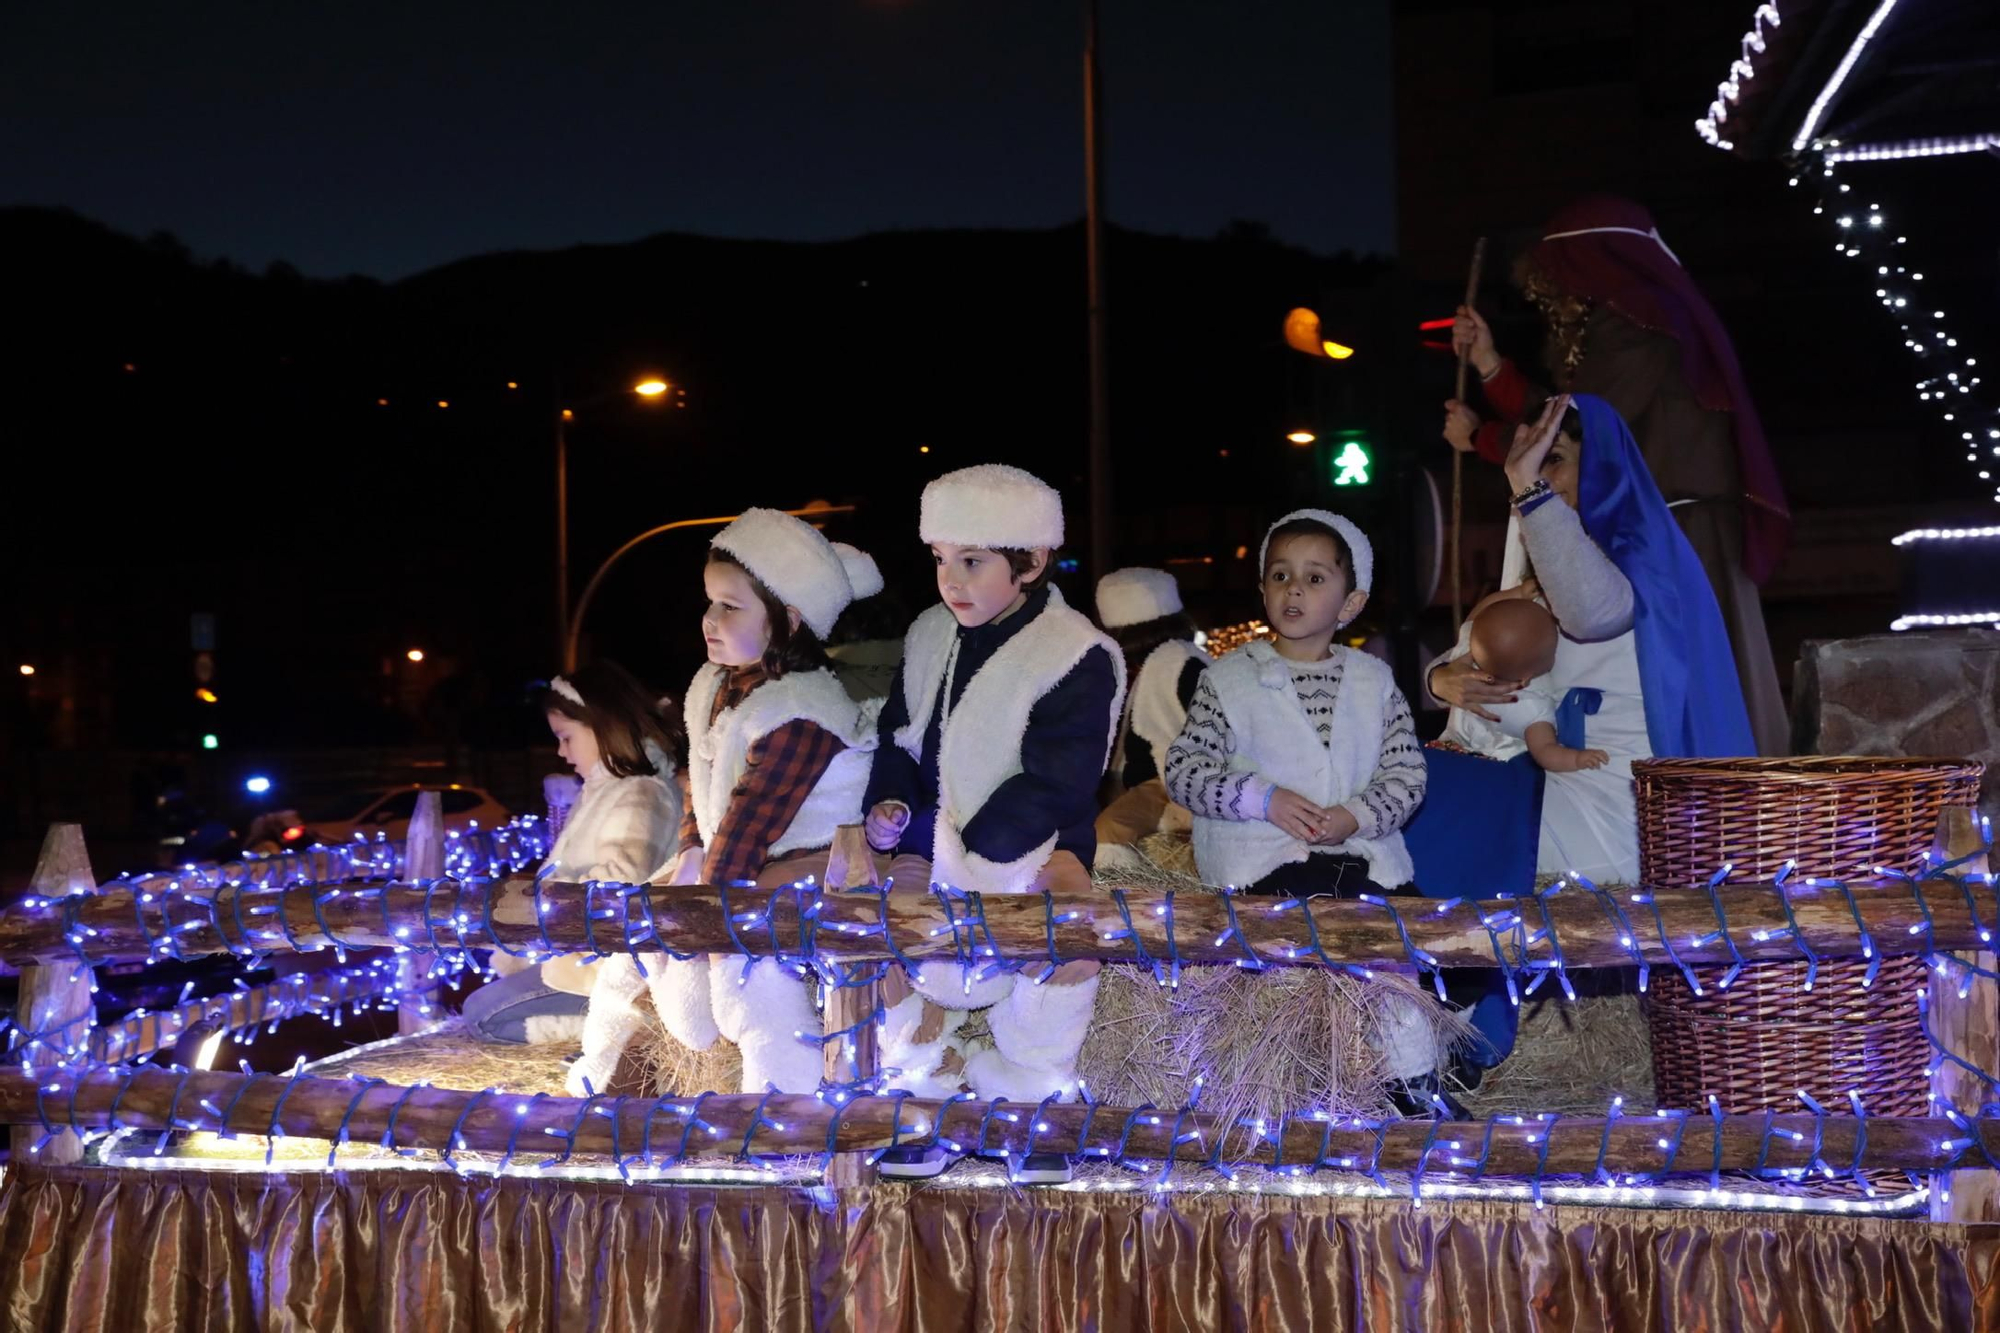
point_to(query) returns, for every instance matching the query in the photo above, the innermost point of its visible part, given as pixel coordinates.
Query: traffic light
(1353, 461)
(201, 639)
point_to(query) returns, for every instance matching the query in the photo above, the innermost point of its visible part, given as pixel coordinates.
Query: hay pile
(1265, 1043)
(1572, 1059)
(451, 1056)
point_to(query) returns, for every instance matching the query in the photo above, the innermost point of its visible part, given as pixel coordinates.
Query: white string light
(1909, 148)
(1741, 71)
(1915, 535)
(1831, 89)
(1932, 621)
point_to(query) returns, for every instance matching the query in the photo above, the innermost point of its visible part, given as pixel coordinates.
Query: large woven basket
(1756, 1044)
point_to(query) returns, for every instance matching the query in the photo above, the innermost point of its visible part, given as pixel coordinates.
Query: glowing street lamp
(1303, 334)
(652, 389)
(1302, 437)
(27, 669)
(415, 654)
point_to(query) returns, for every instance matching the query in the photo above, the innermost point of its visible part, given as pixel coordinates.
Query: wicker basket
(1758, 1043)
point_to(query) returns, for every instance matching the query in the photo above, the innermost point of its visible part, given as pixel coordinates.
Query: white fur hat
(1134, 596)
(791, 559)
(862, 574)
(994, 506)
(1357, 544)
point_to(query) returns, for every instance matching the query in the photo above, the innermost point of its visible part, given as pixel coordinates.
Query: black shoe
(907, 1163)
(1413, 1099)
(1040, 1168)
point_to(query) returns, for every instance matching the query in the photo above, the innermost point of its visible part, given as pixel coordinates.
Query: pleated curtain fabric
(87, 1248)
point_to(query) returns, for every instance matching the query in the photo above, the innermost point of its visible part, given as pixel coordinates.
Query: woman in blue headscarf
(1643, 665)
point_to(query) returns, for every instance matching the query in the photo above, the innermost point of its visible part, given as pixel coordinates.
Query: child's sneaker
(1039, 1168)
(912, 1163)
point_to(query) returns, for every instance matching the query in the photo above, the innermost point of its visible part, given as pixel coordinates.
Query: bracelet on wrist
(1534, 490)
(1533, 502)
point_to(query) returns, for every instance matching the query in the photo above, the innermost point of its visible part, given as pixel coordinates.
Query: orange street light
(206, 695)
(1302, 437)
(650, 388)
(415, 654)
(27, 670)
(1302, 334)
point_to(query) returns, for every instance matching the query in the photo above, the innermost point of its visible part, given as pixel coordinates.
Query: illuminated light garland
(1904, 149)
(1951, 391)
(1915, 535)
(1532, 938)
(1831, 88)
(1228, 638)
(1921, 621)
(1634, 1153)
(321, 995)
(1741, 71)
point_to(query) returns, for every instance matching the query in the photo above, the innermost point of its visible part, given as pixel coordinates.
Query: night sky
(386, 139)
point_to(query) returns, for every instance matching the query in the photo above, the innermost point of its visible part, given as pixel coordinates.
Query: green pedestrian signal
(1351, 465)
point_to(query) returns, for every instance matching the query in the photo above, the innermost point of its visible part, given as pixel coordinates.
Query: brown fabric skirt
(88, 1248)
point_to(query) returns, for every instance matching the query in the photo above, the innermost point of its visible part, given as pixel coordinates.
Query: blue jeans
(500, 1010)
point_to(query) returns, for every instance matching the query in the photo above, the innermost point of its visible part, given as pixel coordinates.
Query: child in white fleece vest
(778, 759)
(992, 744)
(1299, 759)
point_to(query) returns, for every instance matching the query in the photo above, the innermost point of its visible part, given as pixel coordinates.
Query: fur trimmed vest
(719, 753)
(1156, 713)
(979, 744)
(1276, 740)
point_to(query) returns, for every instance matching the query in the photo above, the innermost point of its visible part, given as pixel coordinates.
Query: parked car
(387, 810)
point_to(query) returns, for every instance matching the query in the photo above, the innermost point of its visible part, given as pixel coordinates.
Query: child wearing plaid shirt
(778, 759)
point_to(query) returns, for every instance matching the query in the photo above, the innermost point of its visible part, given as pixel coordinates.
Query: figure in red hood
(1628, 324)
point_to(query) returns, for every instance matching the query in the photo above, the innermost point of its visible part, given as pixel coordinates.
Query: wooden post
(1969, 1028)
(850, 864)
(1457, 458)
(54, 993)
(423, 858)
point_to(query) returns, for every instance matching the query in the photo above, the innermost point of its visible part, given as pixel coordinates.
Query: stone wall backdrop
(1933, 692)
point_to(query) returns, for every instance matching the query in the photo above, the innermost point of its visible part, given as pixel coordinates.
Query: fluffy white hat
(994, 506)
(1357, 544)
(791, 559)
(862, 574)
(1134, 596)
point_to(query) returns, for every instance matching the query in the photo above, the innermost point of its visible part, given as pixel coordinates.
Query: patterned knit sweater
(1197, 763)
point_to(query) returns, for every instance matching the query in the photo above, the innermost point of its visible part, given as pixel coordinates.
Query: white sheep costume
(765, 1009)
(1153, 711)
(1037, 1030)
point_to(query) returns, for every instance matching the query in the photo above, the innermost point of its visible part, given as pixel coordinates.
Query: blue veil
(1694, 699)
(1477, 831)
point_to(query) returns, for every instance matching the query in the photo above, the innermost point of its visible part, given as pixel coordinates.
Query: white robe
(1590, 819)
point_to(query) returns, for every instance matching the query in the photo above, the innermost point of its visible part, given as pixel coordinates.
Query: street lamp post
(651, 389)
(1093, 194)
(573, 630)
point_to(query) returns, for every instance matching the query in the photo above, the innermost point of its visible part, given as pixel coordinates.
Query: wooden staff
(1457, 458)
(494, 1121)
(1615, 929)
